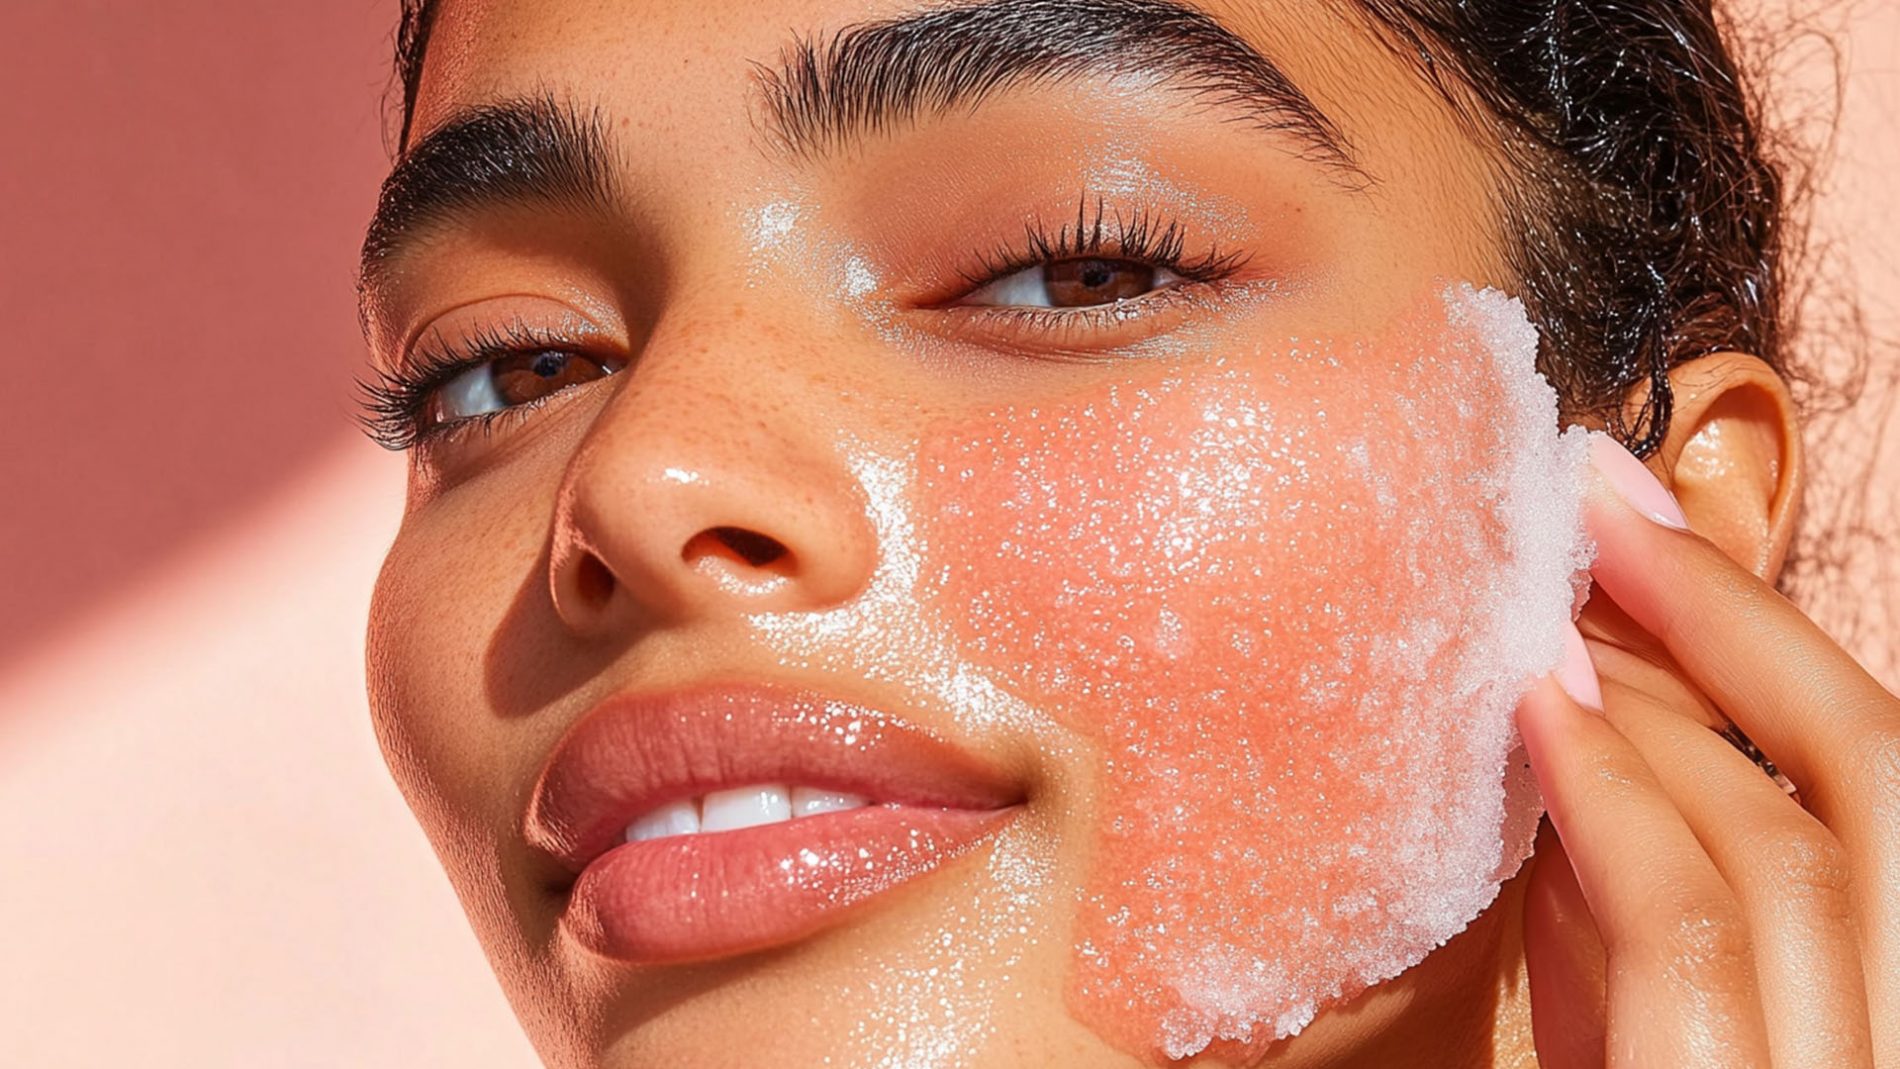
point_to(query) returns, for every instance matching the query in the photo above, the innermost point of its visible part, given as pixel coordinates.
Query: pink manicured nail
(1634, 483)
(1578, 673)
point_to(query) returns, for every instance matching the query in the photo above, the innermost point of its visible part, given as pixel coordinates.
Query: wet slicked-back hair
(1645, 219)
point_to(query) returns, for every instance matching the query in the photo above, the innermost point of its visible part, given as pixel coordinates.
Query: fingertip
(1556, 698)
(1577, 672)
(1554, 717)
(1634, 484)
(1545, 715)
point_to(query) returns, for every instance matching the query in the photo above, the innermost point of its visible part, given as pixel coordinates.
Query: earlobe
(1733, 457)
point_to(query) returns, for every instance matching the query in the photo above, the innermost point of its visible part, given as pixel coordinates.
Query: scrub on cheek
(1292, 597)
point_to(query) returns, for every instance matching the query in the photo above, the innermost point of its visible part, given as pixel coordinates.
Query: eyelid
(395, 403)
(1088, 333)
(1105, 230)
(1202, 273)
(459, 326)
(1098, 228)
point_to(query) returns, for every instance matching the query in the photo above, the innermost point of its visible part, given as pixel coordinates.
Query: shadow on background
(182, 189)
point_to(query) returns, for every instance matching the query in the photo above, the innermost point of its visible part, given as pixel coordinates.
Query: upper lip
(634, 752)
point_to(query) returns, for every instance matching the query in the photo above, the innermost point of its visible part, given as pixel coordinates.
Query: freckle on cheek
(1292, 597)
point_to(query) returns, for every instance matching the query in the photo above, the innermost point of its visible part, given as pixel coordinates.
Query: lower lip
(698, 897)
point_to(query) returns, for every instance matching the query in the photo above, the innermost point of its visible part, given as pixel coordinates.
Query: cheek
(449, 592)
(422, 641)
(1286, 595)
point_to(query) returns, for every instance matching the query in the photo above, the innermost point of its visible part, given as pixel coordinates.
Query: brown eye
(1084, 282)
(515, 379)
(527, 377)
(1080, 283)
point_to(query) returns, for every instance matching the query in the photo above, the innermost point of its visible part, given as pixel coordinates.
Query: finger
(1790, 875)
(1827, 724)
(1563, 959)
(1804, 701)
(1680, 987)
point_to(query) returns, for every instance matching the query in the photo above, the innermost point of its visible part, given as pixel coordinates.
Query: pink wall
(217, 871)
(183, 184)
(206, 863)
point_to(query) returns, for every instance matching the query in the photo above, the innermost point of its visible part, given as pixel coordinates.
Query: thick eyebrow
(529, 151)
(875, 76)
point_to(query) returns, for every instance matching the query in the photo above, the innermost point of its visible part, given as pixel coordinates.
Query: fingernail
(1634, 483)
(1578, 673)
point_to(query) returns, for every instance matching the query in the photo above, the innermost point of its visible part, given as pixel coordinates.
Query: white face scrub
(1292, 595)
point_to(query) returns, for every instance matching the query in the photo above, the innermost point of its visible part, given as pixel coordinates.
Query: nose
(689, 501)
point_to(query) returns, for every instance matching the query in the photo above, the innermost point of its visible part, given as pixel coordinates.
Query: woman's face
(838, 445)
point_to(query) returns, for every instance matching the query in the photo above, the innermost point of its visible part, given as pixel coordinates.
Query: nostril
(736, 543)
(593, 580)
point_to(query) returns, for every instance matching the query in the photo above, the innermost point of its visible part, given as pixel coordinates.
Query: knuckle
(1801, 861)
(1613, 766)
(1713, 935)
(1703, 942)
(1607, 768)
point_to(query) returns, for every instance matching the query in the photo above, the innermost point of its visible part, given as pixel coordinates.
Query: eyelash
(1098, 231)
(393, 403)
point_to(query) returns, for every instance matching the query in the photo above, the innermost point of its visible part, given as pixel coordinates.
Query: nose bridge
(714, 482)
(736, 385)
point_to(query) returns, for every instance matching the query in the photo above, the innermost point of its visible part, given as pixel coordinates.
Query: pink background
(206, 864)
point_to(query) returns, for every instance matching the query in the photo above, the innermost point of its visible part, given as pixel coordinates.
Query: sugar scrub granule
(1292, 596)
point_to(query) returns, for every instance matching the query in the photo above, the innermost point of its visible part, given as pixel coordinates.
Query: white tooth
(746, 807)
(673, 818)
(810, 801)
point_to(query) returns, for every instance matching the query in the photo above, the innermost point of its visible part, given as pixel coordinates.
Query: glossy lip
(718, 893)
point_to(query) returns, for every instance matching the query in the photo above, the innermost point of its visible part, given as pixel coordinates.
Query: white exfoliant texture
(1293, 595)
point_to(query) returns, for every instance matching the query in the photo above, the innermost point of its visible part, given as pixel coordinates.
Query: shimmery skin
(1292, 596)
(930, 1003)
(778, 240)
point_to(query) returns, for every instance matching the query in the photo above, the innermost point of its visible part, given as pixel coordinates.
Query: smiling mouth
(743, 807)
(725, 820)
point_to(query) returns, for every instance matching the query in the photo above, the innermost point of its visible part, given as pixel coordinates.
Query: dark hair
(1645, 217)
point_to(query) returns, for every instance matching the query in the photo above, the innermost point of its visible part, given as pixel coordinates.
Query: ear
(1733, 457)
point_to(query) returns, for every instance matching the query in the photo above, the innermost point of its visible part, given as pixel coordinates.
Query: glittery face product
(779, 237)
(1292, 596)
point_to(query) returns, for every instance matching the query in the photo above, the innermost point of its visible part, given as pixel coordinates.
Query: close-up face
(974, 535)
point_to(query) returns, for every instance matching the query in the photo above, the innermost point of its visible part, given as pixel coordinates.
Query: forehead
(690, 70)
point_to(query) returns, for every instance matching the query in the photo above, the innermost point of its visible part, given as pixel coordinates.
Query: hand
(1696, 914)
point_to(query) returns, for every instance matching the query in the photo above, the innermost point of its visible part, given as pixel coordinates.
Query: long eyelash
(390, 405)
(1096, 231)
